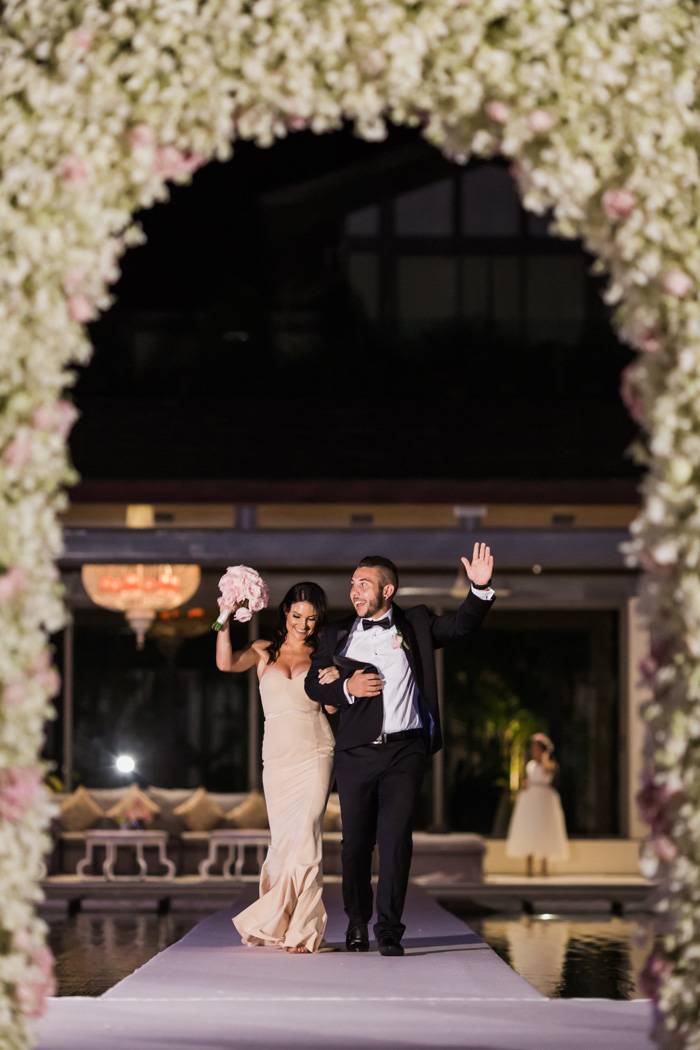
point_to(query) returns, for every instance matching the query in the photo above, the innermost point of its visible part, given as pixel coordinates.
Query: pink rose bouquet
(243, 592)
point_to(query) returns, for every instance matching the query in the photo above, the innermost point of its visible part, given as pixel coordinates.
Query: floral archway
(103, 102)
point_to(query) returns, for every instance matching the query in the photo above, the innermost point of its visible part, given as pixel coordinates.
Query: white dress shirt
(377, 646)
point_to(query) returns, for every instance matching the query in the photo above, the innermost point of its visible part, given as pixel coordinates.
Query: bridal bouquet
(243, 592)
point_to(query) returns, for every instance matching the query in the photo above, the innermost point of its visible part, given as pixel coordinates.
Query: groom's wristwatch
(482, 586)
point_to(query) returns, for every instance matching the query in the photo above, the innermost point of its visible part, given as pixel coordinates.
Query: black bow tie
(385, 623)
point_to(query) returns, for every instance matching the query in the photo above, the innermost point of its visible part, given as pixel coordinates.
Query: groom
(389, 723)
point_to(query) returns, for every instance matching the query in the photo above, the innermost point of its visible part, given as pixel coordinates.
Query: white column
(634, 645)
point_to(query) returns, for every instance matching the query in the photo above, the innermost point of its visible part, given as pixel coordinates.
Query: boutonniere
(398, 641)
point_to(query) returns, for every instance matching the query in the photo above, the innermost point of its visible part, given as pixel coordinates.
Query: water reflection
(94, 950)
(572, 956)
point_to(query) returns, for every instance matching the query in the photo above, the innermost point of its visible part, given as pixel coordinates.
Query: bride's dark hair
(300, 592)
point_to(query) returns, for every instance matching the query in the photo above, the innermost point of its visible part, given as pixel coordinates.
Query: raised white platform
(450, 990)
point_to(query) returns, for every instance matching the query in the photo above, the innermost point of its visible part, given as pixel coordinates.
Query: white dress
(537, 825)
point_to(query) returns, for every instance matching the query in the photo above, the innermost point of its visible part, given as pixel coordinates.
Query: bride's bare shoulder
(261, 645)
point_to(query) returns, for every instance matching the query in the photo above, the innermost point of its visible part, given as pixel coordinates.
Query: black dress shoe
(357, 939)
(389, 945)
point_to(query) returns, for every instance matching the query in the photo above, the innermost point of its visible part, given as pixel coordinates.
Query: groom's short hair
(388, 573)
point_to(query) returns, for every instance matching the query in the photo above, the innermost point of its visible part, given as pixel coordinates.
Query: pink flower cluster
(18, 792)
(57, 416)
(46, 675)
(656, 802)
(168, 161)
(31, 993)
(656, 968)
(618, 204)
(11, 583)
(244, 588)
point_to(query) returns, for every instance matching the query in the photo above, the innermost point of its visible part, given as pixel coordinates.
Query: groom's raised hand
(480, 568)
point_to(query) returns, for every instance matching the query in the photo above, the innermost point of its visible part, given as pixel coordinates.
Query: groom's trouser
(378, 785)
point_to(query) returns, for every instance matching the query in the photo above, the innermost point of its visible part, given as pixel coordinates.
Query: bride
(297, 756)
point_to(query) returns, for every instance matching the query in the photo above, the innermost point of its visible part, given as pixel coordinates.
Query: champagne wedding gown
(297, 769)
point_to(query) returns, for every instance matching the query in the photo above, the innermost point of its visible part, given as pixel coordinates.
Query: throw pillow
(251, 813)
(78, 812)
(200, 812)
(135, 803)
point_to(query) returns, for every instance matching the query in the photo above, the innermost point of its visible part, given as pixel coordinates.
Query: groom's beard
(373, 606)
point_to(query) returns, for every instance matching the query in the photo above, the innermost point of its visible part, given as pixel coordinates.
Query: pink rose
(65, 417)
(14, 694)
(498, 111)
(618, 204)
(633, 403)
(656, 969)
(664, 848)
(59, 417)
(172, 163)
(82, 38)
(73, 170)
(676, 283)
(80, 308)
(649, 341)
(19, 789)
(23, 941)
(256, 604)
(648, 668)
(74, 280)
(11, 583)
(142, 137)
(242, 614)
(539, 121)
(396, 641)
(18, 452)
(50, 680)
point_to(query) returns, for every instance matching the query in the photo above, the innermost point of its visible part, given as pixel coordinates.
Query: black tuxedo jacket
(424, 632)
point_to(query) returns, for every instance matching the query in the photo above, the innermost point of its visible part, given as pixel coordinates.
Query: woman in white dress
(537, 829)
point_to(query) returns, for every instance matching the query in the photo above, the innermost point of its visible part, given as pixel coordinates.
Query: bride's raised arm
(242, 659)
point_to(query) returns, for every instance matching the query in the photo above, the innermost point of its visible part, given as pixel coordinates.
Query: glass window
(427, 292)
(506, 295)
(363, 223)
(534, 670)
(363, 275)
(427, 211)
(475, 287)
(490, 204)
(556, 298)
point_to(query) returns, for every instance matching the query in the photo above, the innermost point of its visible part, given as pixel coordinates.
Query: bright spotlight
(126, 764)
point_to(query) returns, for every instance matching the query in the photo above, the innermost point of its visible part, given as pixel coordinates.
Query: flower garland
(102, 102)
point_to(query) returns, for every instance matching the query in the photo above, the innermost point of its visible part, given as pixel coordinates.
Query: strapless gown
(297, 769)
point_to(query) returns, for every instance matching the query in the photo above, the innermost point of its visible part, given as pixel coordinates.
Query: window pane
(475, 287)
(363, 223)
(534, 669)
(507, 313)
(490, 205)
(427, 292)
(426, 212)
(363, 276)
(556, 290)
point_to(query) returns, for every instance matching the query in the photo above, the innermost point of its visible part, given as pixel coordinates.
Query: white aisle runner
(208, 992)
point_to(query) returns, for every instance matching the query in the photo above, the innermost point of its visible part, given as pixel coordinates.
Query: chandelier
(140, 591)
